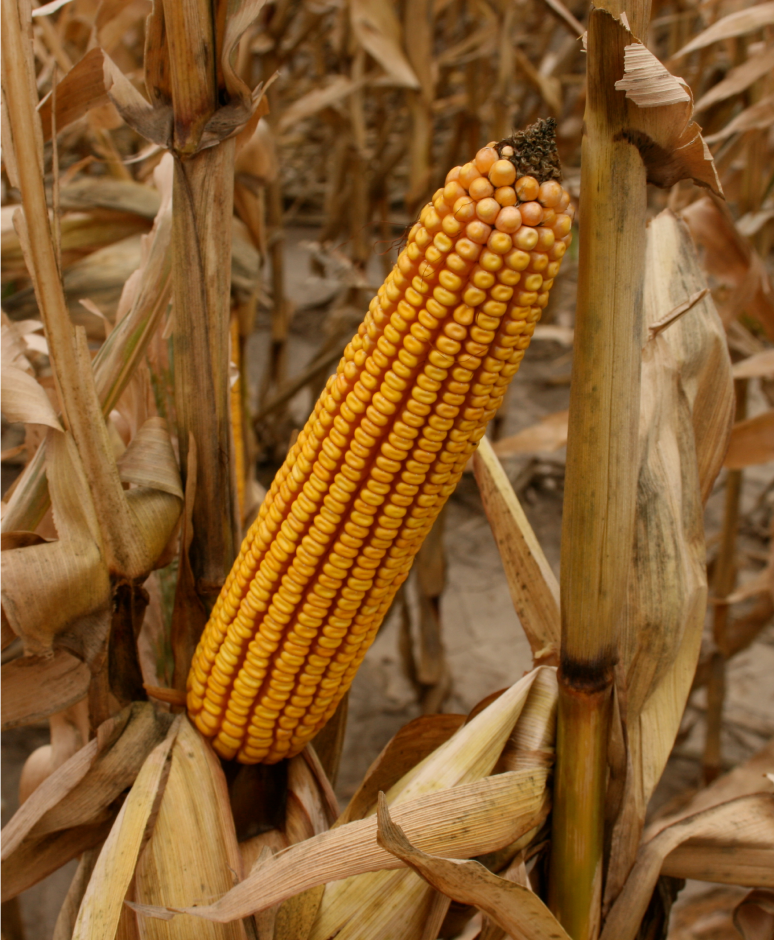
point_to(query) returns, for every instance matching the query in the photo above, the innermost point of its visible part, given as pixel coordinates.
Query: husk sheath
(383, 450)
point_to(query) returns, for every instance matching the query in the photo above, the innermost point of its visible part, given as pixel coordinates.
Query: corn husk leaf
(752, 442)
(192, 853)
(80, 90)
(351, 849)
(413, 743)
(731, 843)
(512, 906)
(116, 195)
(36, 687)
(468, 755)
(68, 912)
(73, 809)
(464, 820)
(531, 582)
(103, 900)
(686, 410)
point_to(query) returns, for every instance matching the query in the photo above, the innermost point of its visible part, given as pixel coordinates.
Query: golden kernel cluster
(378, 458)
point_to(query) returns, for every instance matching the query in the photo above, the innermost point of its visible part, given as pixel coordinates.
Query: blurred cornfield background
(367, 105)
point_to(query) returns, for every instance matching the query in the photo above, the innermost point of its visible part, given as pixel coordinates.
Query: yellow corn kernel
(381, 453)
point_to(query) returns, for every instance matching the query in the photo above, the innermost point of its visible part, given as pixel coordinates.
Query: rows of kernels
(381, 453)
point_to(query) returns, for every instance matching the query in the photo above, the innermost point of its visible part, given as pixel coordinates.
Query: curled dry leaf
(754, 916)
(549, 434)
(531, 582)
(35, 687)
(435, 801)
(735, 24)
(74, 808)
(103, 900)
(24, 399)
(686, 412)
(413, 743)
(466, 820)
(758, 116)
(660, 112)
(732, 843)
(739, 79)
(752, 442)
(515, 908)
(378, 31)
(736, 273)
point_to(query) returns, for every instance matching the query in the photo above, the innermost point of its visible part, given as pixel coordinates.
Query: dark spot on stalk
(589, 676)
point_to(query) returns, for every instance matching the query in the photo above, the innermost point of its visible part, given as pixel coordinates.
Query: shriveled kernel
(468, 250)
(473, 296)
(451, 226)
(490, 260)
(502, 173)
(546, 239)
(482, 278)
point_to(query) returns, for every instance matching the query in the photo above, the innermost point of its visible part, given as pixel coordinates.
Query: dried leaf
(531, 582)
(103, 901)
(752, 442)
(194, 823)
(758, 366)
(459, 821)
(378, 31)
(731, 263)
(660, 113)
(82, 89)
(36, 687)
(515, 908)
(758, 116)
(754, 916)
(549, 434)
(686, 411)
(150, 461)
(74, 808)
(730, 843)
(739, 79)
(414, 742)
(735, 24)
(25, 400)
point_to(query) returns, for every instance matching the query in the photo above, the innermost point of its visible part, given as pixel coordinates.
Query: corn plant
(532, 810)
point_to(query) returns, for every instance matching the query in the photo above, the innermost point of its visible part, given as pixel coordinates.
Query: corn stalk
(599, 505)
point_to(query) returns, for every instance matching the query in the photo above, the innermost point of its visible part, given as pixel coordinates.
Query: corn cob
(381, 453)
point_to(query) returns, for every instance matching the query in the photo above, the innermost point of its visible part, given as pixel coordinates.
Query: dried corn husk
(192, 852)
